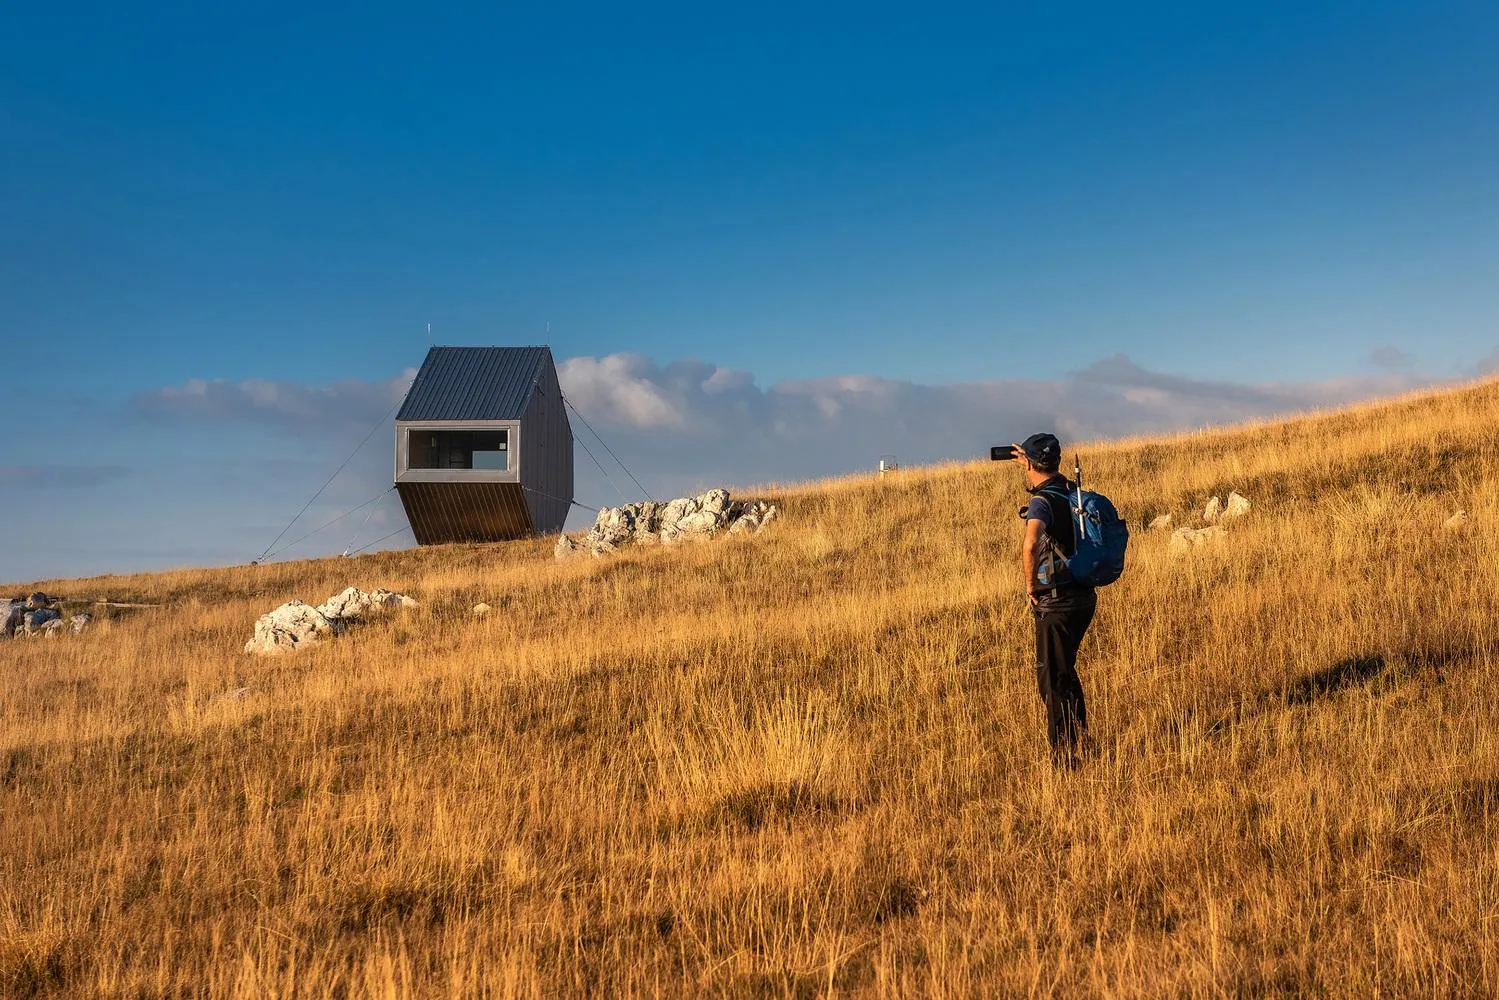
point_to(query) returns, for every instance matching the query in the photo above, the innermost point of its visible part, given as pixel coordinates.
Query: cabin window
(438, 449)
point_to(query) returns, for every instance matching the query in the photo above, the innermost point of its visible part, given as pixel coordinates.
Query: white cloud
(279, 403)
(724, 427)
(688, 425)
(622, 388)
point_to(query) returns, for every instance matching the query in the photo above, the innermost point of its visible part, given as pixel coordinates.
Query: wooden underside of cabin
(465, 512)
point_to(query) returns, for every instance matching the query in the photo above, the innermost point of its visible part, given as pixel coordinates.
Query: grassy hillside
(806, 763)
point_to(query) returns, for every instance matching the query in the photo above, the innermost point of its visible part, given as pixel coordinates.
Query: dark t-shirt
(1053, 513)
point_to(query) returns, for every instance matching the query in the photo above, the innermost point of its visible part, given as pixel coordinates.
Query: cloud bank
(688, 424)
(285, 404)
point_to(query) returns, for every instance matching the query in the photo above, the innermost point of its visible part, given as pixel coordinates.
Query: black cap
(1044, 451)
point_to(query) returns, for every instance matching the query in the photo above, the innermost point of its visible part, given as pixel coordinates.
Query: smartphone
(1002, 453)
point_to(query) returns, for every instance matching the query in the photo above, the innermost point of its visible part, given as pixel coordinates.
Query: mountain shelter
(484, 450)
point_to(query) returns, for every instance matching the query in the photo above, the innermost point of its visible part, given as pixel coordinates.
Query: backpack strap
(1057, 556)
(1066, 498)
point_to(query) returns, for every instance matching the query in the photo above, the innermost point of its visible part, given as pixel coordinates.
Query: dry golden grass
(808, 763)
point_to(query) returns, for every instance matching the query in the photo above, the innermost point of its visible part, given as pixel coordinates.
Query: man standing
(1063, 608)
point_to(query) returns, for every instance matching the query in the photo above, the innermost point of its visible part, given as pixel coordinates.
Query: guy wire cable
(336, 471)
(379, 540)
(569, 404)
(574, 503)
(366, 521)
(579, 441)
(325, 524)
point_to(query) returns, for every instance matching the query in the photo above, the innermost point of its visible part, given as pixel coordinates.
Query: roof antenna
(429, 333)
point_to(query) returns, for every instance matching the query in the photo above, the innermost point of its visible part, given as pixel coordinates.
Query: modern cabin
(484, 450)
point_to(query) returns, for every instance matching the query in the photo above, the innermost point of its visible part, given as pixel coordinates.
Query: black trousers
(1061, 622)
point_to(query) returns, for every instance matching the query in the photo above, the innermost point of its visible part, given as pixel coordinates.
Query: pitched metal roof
(474, 383)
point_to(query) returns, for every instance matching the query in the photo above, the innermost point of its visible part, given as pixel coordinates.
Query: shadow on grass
(753, 808)
(1346, 673)
(1372, 673)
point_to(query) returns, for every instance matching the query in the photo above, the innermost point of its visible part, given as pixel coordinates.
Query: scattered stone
(293, 626)
(1213, 511)
(753, 518)
(11, 617)
(680, 520)
(238, 694)
(353, 603)
(35, 620)
(1187, 539)
(38, 615)
(480, 610)
(1457, 522)
(296, 625)
(1238, 506)
(1162, 523)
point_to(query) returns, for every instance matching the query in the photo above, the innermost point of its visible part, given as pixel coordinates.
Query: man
(1062, 607)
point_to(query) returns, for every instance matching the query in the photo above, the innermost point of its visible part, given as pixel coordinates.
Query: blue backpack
(1097, 559)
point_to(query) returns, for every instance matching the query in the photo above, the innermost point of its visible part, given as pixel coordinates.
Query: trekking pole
(1077, 477)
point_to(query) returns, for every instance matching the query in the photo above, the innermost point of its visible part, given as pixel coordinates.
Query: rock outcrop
(353, 603)
(1186, 539)
(297, 625)
(38, 615)
(684, 519)
(293, 626)
(36, 620)
(1216, 515)
(754, 517)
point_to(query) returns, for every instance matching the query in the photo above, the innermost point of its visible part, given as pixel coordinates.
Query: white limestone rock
(296, 625)
(1238, 506)
(34, 618)
(1186, 539)
(35, 621)
(680, 520)
(292, 627)
(353, 603)
(1213, 511)
(1161, 523)
(753, 517)
(1457, 522)
(480, 610)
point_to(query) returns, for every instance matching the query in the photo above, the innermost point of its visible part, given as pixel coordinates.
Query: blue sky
(914, 219)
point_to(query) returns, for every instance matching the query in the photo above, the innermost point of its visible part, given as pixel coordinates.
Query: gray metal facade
(546, 454)
(481, 388)
(475, 383)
